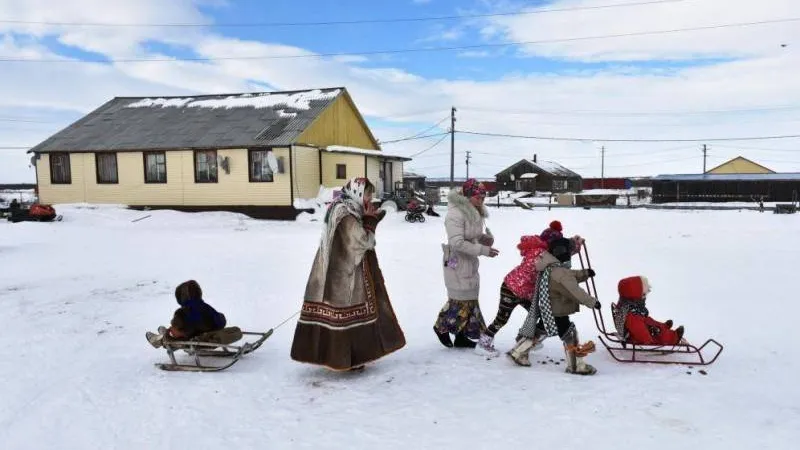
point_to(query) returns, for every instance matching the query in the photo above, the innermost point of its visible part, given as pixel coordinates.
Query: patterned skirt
(461, 316)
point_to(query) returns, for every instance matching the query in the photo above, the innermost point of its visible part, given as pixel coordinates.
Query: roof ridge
(229, 94)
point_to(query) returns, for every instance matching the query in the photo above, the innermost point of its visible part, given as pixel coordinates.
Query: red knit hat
(633, 288)
(556, 225)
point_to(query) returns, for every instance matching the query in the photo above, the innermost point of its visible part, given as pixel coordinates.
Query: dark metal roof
(548, 167)
(730, 177)
(203, 121)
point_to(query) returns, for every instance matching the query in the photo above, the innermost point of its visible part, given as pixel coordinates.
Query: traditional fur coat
(346, 319)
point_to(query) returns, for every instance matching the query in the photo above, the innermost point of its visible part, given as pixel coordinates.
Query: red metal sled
(626, 352)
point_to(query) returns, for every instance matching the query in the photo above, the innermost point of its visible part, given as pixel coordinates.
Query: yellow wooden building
(253, 153)
(740, 165)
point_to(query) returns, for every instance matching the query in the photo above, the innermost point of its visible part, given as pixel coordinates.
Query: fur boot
(485, 346)
(521, 351)
(156, 339)
(575, 353)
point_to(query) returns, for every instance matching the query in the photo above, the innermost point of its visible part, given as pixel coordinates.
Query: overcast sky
(723, 82)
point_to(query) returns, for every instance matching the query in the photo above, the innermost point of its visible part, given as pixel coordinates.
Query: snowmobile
(205, 345)
(627, 352)
(36, 213)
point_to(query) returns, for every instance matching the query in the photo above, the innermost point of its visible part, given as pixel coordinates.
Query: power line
(797, 150)
(444, 136)
(547, 138)
(9, 119)
(430, 128)
(626, 113)
(404, 50)
(644, 153)
(412, 138)
(338, 22)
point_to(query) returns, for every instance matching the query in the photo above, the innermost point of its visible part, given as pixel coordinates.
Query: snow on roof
(295, 100)
(363, 151)
(794, 176)
(554, 168)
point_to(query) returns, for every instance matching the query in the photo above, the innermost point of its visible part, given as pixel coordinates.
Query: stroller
(414, 212)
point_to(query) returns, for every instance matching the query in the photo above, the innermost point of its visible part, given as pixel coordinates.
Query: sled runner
(626, 352)
(204, 346)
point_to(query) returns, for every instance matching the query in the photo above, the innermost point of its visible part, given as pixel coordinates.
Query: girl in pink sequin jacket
(522, 279)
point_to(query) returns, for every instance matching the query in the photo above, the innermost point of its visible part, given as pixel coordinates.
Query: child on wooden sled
(194, 318)
(632, 318)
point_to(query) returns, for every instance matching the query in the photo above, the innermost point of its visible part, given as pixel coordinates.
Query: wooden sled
(200, 348)
(522, 204)
(626, 352)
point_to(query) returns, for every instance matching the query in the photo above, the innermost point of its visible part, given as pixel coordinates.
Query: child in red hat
(632, 318)
(552, 232)
(556, 231)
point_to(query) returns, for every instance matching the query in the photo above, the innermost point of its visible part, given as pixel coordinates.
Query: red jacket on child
(639, 327)
(522, 279)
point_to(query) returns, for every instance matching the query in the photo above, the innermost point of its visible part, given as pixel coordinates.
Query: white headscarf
(350, 202)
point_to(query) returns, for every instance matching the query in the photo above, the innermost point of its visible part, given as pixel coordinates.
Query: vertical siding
(374, 172)
(306, 171)
(338, 125)
(397, 172)
(354, 163)
(61, 193)
(234, 188)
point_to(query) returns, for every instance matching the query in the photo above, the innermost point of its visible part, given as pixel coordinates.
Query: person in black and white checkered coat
(557, 296)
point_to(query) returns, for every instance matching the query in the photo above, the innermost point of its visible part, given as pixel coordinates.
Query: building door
(388, 176)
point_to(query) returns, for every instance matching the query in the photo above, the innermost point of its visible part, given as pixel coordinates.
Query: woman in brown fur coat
(347, 319)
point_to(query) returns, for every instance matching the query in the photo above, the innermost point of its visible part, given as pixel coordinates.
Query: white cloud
(749, 41)
(569, 104)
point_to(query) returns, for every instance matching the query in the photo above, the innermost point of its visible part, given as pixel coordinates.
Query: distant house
(414, 181)
(253, 153)
(440, 182)
(740, 165)
(533, 176)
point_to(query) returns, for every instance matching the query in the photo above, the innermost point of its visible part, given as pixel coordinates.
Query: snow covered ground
(77, 373)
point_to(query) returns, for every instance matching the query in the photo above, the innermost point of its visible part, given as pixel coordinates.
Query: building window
(341, 171)
(559, 185)
(260, 171)
(107, 172)
(155, 167)
(205, 166)
(59, 169)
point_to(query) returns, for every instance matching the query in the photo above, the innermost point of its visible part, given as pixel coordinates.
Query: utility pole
(602, 167)
(452, 146)
(468, 158)
(705, 155)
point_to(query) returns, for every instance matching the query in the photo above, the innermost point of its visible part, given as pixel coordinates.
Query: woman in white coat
(467, 239)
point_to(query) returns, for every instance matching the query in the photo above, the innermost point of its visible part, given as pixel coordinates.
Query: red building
(607, 183)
